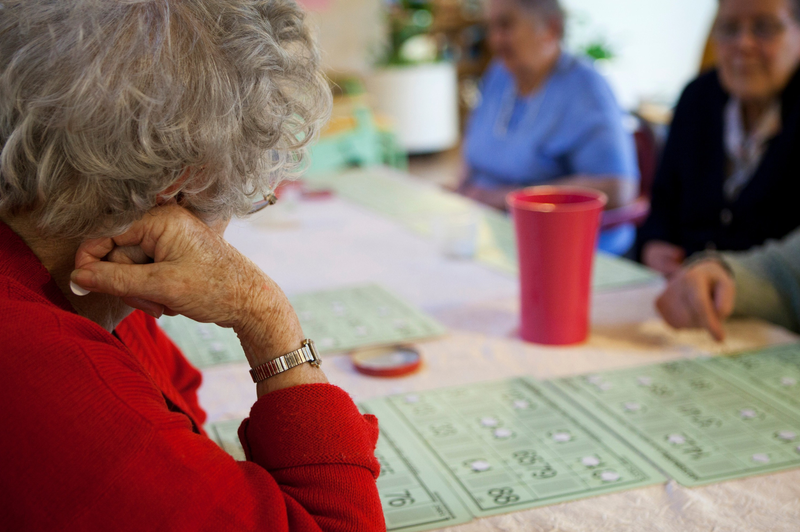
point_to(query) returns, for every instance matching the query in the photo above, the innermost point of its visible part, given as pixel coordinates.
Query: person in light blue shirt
(546, 117)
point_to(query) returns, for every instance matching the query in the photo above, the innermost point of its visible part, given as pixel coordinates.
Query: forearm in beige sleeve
(758, 297)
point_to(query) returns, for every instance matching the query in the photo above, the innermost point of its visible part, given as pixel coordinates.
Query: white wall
(659, 43)
(349, 32)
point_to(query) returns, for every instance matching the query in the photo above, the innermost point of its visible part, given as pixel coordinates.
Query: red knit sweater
(104, 433)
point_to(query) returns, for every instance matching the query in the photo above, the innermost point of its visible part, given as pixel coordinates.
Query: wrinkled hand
(702, 295)
(191, 271)
(663, 257)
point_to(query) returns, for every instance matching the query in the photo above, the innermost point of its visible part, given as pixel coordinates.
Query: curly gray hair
(105, 104)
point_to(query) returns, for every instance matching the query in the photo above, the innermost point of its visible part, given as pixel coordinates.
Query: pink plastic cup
(556, 231)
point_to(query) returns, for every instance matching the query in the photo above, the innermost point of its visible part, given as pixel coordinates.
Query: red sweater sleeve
(163, 361)
(310, 483)
(93, 445)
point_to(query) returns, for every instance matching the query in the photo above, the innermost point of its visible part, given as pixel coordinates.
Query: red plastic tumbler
(556, 234)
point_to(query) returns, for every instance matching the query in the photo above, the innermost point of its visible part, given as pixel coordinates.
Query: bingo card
(510, 445)
(338, 320)
(694, 419)
(415, 204)
(413, 494)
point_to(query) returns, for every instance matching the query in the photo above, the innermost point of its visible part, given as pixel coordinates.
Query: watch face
(313, 350)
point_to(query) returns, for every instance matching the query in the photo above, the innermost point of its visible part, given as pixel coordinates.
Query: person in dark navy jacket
(730, 174)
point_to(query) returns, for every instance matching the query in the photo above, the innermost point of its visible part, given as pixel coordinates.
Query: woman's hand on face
(702, 295)
(663, 257)
(135, 255)
(193, 272)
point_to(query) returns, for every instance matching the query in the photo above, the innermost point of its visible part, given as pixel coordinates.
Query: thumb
(121, 280)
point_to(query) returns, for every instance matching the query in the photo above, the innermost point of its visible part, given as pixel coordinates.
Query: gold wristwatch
(306, 353)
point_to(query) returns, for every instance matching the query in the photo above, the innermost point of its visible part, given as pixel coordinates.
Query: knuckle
(697, 282)
(119, 282)
(698, 299)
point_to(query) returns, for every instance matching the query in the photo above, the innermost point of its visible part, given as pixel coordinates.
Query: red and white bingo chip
(391, 361)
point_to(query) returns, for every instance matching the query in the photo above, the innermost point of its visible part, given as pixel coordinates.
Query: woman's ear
(165, 199)
(171, 193)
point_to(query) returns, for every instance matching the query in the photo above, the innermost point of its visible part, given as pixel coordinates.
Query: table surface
(307, 245)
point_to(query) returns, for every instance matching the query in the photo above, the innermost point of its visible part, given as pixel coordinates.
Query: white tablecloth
(329, 243)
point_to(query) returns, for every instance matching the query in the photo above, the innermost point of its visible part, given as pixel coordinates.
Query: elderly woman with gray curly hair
(131, 132)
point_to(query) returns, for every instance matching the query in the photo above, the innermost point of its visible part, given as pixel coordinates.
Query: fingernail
(156, 315)
(77, 290)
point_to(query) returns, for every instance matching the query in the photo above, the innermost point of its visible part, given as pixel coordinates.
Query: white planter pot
(422, 100)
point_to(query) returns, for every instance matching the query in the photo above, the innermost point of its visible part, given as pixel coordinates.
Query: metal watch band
(306, 353)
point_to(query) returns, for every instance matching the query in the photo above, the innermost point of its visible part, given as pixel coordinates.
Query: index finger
(93, 251)
(703, 306)
(144, 233)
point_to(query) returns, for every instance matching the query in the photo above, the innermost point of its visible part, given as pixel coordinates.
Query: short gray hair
(104, 104)
(794, 6)
(549, 9)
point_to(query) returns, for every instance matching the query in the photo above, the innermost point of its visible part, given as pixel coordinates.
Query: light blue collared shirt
(571, 125)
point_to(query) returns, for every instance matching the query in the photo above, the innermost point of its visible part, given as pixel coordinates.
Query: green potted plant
(412, 83)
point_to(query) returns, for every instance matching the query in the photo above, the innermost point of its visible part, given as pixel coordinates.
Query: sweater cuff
(757, 297)
(310, 424)
(711, 255)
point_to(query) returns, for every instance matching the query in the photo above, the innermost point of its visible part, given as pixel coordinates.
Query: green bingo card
(693, 419)
(413, 495)
(498, 248)
(510, 445)
(774, 372)
(361, 316)
(203, 344)
(226, 434)
(416, 204)
(337, 320)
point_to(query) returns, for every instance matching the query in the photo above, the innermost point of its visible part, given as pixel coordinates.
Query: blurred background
(407, 73)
